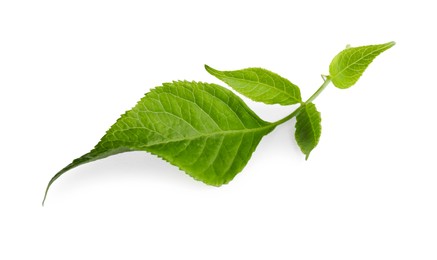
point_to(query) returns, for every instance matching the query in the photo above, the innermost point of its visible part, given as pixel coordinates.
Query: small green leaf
(308, 128)
(204, 129)
(348, 66)
(260, 85)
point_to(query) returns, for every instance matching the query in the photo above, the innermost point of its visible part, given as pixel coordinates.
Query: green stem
(290, 116)
(317, 93)
(311, 99)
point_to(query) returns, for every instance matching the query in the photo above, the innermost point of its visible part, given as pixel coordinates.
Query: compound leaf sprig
(208, 131)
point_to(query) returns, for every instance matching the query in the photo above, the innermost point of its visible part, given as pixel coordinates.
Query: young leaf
(260, 85)
(308, 128)
(348, 66)
(204, 129)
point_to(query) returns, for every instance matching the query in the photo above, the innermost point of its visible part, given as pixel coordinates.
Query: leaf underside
(204, 129)
(348, 66)
(260, 85)
(308, 128)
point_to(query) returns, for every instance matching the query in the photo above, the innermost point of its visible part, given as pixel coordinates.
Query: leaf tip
(45, 194)
(209, 69)
(47, 191)
(388, 45)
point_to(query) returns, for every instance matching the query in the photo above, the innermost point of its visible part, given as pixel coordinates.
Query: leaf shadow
(140, 167)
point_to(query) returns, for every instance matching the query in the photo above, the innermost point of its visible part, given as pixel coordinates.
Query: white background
(68, 69)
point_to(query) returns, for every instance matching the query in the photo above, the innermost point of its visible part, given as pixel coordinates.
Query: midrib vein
(207, 135)
(266, 85)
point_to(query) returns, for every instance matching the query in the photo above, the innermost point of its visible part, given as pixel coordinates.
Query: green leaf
(348, 66)
(204, 129)
(308, 128)
(260, 85)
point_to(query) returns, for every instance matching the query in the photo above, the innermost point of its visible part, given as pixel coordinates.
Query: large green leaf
(204, 129)
(348, 66)
(308, 128)
(260, 85)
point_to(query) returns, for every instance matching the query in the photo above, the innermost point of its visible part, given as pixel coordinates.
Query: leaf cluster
(208, 131)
